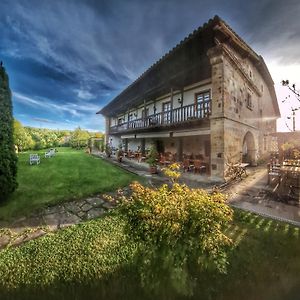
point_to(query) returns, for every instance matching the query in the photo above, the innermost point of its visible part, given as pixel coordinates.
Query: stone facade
(238, 121)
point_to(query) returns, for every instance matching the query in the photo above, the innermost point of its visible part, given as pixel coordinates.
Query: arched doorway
(249, 150)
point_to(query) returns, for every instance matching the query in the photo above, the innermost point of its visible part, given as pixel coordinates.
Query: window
(120, 121)
(265, 143)
(202, 104)
(145, 113)
(166, 109)
(249, 101)
(130, 117)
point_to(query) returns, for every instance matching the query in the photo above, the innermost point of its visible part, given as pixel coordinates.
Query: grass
(95, 260)
(71, 174)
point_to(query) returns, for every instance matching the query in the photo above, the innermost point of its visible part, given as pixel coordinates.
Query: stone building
(211, 95)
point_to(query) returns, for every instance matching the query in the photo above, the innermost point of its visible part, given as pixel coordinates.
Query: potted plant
(120, 153)
(108, 150)
(152, 159)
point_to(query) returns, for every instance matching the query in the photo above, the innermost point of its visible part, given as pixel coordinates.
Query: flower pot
(153, 169)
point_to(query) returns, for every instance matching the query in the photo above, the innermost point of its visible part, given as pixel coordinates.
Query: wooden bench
(34, 159)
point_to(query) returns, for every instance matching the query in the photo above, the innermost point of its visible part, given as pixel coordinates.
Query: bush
(8, 158)
(177, 228)
(152, 158)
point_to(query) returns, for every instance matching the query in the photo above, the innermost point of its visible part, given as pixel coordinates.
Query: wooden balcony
(177, 116)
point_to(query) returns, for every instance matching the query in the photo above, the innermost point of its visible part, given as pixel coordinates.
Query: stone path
(53, 218)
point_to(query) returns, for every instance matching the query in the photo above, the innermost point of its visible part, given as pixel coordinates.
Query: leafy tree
(79, 138)
(8, 158)
(22, 138)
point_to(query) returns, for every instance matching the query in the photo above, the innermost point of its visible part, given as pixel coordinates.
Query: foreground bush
(8, 159)
(176, 228)
(79, 254)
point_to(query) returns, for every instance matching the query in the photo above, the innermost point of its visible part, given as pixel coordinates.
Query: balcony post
(171, 113)
(128, 118)
(144, 115)
(181, 105)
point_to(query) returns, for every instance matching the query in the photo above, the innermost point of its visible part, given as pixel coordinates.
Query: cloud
(44, 120)
(74, 109)
(84, 94)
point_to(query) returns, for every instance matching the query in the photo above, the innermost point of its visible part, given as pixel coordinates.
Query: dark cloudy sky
(67, 58)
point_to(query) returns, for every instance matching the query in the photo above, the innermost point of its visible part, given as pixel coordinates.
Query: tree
(8, 158)
(294, 109)
(22, 138)
(79, 138)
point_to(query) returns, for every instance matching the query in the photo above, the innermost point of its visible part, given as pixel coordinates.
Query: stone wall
(243, 114)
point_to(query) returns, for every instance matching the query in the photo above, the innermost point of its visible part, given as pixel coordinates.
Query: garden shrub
(8, 158)
(176, 228)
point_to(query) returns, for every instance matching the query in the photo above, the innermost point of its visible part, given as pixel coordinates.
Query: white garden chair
(50, 153)
(34, 159)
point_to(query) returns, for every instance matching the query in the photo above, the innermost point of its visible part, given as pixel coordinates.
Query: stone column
(217, 113)
(107, 126)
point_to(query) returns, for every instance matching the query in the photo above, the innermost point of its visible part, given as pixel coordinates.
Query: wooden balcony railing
(177, 115)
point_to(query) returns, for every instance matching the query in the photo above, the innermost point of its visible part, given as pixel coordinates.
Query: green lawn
(71, 174)
(94, 260)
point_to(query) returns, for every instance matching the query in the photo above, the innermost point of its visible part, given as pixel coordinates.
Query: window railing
(177, 115)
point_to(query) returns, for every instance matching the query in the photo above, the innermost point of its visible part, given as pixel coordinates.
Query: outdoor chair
(163, 161)
(198, 166)
(130, 154)
(50, 153)
(34, 159)
(187, 165)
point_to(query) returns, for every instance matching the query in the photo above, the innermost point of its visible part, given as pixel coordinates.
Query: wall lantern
(179, 100)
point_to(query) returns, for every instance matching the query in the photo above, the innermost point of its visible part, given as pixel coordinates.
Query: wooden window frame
(196, 102)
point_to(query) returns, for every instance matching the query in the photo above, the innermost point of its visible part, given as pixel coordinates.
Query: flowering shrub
(177, 227)
(172, 172)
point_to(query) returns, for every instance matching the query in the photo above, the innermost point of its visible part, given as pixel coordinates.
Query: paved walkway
(51, 219)
(254, 195)
(251, 194)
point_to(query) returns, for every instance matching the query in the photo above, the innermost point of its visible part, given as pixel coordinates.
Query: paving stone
(18, 241)
(52, 220)
(95, 213)
(108, 205)
(95, 202)
(72, 207)
(4, 240)
(81, 214)
(53, 210)
(86, 207)
(80, 203)
(68, 220)
(33, 235)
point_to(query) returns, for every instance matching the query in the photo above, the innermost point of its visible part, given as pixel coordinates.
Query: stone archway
(249, 150)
